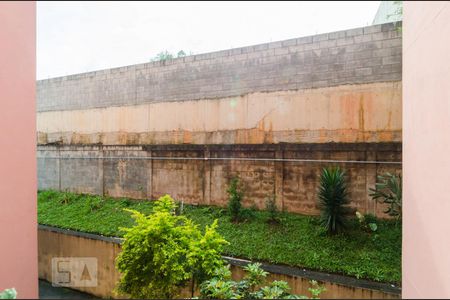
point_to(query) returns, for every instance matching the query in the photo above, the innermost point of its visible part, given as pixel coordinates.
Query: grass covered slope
(297, 241)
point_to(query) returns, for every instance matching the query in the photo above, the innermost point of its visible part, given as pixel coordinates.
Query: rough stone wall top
(360, 55)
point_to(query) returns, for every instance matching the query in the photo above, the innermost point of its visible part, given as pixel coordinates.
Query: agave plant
(388, 190)
(333, 198)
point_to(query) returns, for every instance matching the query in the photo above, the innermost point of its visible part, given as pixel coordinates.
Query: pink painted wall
(426, 150)
(18, 229)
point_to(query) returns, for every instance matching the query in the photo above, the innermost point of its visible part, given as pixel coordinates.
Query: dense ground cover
(297, 240)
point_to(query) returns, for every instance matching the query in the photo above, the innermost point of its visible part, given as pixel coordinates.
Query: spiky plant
(388, 190)
(333, 198)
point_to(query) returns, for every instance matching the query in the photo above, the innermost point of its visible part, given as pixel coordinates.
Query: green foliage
(162, 252)
(67, 197)
(8, 294)
(166, 55)
(368, 222)
(316, 289)
(272, 210)
(333, 199)
(250, 287)
(296, 241)
(234, 201)
(388, 190)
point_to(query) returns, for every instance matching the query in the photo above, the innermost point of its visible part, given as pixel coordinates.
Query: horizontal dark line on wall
(225, 158)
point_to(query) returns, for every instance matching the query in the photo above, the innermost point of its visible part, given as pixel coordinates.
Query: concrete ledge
(82, 234)
(320, 276)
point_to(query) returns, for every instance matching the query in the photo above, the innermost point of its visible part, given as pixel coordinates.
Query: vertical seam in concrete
(102, 153)
(151, 176)
(210, 173)
(59, 168)
(204, 177)
(366, 183)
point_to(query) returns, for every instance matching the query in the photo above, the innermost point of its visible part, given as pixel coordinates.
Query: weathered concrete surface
(90, 169)
(350, 113)
(63, 243)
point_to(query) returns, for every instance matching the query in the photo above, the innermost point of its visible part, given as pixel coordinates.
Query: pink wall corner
(18, 229)
(426, 150)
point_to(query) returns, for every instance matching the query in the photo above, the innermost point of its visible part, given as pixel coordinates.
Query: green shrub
(162, 252)
(8, 294)
(250, 287)
(234, 201)
(333, 199)
(388, 190)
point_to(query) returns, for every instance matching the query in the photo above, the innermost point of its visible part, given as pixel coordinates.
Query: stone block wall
(359, 55)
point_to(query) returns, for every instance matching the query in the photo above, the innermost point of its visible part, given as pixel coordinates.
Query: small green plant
(388, 190)
(234, 201)
(367, 222)
(8, 294)
(250, 287)
(67, 197)
(333, 199)
(271, 207)
(94, 202)
(316, 289)
(163, 252)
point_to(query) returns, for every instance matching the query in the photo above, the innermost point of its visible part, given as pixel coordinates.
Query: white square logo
(74, 271)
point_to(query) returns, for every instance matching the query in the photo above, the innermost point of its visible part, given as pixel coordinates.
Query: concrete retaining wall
(55, 242)
(200, 174)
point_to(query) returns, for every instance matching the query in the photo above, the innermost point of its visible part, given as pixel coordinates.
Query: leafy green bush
(250, 287)
(162, 252)
(8, 294)
(389, 191)
(234, 201)
(333, 199)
